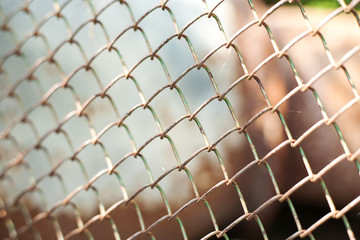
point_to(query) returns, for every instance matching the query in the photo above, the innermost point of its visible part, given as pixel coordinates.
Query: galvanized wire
(37, 110)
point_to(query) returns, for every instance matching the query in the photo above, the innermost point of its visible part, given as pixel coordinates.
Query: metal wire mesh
(179, 119)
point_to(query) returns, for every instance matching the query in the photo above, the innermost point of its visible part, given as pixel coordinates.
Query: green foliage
(317, 3)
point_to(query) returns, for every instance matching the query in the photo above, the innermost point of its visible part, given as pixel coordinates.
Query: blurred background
(103, 101)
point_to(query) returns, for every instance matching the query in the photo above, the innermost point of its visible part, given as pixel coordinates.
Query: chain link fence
(198, 119)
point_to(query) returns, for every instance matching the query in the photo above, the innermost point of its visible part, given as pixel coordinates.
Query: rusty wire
(21, 221)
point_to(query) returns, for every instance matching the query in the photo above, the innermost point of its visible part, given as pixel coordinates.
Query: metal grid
(58, 107)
